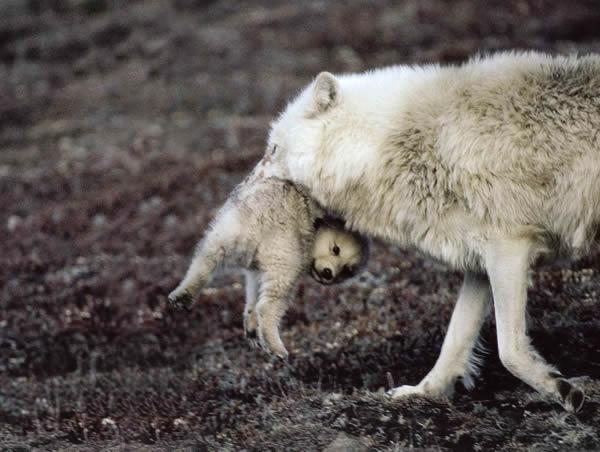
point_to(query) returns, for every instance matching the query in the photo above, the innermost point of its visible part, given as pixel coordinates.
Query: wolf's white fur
(273, 231)
(485, 166)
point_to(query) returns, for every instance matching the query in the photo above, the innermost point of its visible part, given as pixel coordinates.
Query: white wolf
(275, 231)
(485, 166)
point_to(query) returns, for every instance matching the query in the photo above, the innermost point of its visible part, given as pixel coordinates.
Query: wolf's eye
(336, 250)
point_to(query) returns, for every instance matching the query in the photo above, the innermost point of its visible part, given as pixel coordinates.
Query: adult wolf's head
(323, 136)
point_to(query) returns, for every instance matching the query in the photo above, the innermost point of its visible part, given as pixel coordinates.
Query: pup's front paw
(181, 298)
(250, 324)
(251, 327)
(271, 343)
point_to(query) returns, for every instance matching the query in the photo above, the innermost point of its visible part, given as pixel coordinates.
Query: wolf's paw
(429, 387)
(405, 391)
(181, 299)
(571, 397)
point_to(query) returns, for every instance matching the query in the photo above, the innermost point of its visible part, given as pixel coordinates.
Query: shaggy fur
(485, 166)
(274, 231)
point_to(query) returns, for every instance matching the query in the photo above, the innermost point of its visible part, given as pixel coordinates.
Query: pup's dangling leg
(208, 257)
(250, 316)
(280, 273)
(272, 304)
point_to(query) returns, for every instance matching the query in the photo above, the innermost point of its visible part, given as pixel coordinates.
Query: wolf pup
(276, 232)
(486, 166)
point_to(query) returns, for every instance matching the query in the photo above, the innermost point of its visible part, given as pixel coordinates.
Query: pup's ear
(326, 92)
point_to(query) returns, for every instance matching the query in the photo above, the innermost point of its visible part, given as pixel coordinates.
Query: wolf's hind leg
(250, 317)
(209, 255)
(507, 262)
(456, 360)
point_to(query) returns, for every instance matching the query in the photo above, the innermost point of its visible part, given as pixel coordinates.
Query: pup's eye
(336, 250)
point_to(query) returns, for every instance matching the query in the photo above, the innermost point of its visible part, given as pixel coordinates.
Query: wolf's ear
(326, 92)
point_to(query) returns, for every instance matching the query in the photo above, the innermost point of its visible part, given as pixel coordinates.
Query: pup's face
(337, 255)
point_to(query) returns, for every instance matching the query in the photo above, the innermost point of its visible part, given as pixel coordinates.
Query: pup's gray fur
(276, 232)
(486, 166)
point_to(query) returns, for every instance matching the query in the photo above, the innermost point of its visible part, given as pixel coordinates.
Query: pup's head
(337, 253)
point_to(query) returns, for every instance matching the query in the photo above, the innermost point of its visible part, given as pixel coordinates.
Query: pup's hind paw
(181, 299)
(571, 397)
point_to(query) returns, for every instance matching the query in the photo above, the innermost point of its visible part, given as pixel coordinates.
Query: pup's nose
(327, 274)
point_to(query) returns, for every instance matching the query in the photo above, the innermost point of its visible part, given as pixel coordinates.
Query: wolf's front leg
(456, 360)
(507, 262)
(250, 317)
